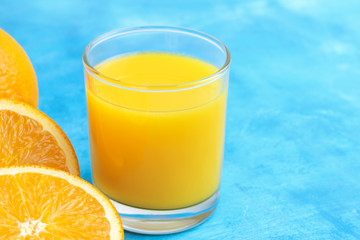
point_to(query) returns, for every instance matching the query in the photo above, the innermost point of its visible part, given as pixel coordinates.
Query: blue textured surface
(292, 159)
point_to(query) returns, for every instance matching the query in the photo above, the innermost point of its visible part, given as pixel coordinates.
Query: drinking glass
(157, 150)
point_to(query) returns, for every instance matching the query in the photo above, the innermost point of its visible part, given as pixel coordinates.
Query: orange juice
(156, 149)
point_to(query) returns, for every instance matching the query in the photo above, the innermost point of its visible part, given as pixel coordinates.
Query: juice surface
(156, 150)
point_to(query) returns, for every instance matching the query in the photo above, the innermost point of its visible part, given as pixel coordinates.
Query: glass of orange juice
(156, 100)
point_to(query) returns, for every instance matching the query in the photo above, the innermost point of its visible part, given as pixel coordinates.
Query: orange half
(44, 203)
(29, 137)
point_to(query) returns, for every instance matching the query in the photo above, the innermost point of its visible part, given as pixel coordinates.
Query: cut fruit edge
(49, 125)
(116, 230)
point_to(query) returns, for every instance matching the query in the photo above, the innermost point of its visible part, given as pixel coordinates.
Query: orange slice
(29, 137)
(44, 203)
(17, 75)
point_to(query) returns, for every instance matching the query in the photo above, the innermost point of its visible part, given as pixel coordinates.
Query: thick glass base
(165, 221)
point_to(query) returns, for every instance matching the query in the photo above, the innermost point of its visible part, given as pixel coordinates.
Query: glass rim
(148, 87)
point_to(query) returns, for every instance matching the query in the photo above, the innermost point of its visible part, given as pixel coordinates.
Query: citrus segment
(58, 206)
(17, 75)
(29, 137)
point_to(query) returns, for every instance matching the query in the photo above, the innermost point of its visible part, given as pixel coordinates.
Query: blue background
(292, 158)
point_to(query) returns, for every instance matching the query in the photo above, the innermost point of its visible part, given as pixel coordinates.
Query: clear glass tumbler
(157, 149)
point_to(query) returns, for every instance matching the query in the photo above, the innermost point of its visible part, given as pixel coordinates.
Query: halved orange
(44, 203)
(29, 137)
(17, 75)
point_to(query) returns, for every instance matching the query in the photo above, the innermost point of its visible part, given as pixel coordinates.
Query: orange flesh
(50, 209)
(24, 142)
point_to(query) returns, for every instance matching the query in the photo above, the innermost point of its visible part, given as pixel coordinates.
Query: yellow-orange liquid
(156, 150)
